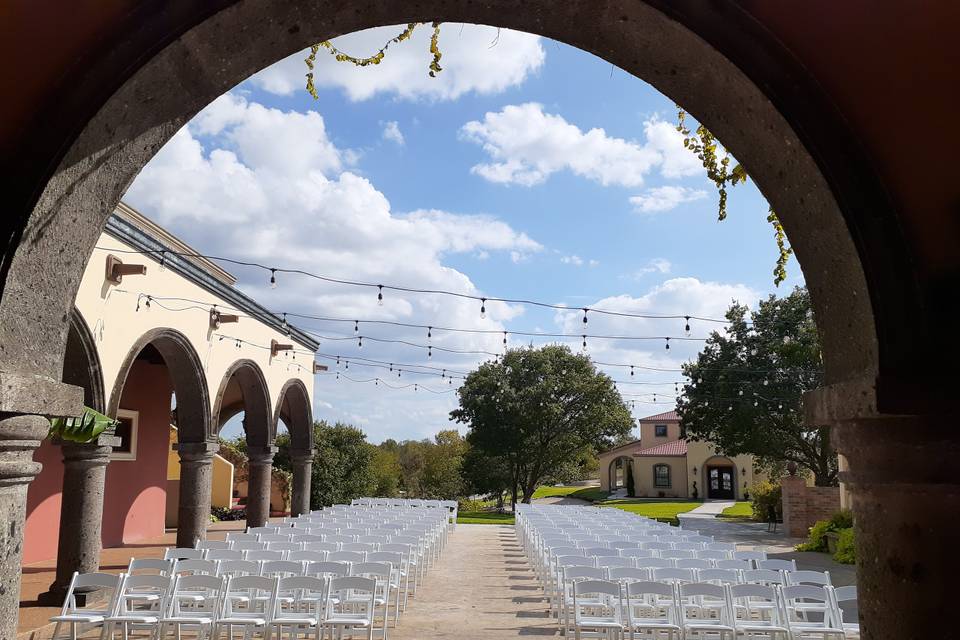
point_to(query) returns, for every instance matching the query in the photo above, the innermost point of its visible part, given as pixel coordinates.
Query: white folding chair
(236, 568)
(652, 610)
(262, 555)
(350, 605)
(753, 556)
(346, 556)
(141, 603)
(194, 603)
(224, 554)
(718, 576)
(705, 612)
(597, 607)
(841, 596)
(247, 603)
(757, 611)
(196, 567)
(777, 565)
(298, 606)
(156, 566)
(382, 574)
(307, 556)
(93, 612)
(212, 544)
(799, 601)
(181, 553)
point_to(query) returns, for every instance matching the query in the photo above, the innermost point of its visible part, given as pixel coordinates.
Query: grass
(739, 510)
(484, 517)
(590, 494)
(658, 509)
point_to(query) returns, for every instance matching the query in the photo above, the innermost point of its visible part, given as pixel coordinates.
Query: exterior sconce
(694, 471)
(276, 347)
(217, 318)
(319, 368)
(743, 471)
(116, 269)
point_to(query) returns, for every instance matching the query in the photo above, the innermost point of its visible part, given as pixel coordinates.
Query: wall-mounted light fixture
(319, 368)
(694, 471)
(217, 318)
(276, 347)
(116, 269)
(743, 471)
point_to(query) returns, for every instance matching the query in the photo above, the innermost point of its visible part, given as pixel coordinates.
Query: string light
(631, 371)
(584, 343)
(360, 342)
(504, 339)
(346, 364)
(430, 352)
(163, 260)
(273, 278)
(380, 295)
(483, 308)
(686, 327)
(585, 315)
(667, 343)
(356, 326)
(429, 333)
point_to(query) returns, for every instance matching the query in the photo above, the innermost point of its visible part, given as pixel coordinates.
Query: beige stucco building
(663, 464)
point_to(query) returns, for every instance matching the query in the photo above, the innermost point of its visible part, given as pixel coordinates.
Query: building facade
(161, 340)
(662, 464)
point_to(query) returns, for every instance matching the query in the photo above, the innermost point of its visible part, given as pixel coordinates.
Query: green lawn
(739, 510)
(484, 517)
(658, 509)
(591, 494)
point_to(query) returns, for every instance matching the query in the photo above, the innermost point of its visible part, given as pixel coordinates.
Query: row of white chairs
(211, 605)
(601, 608)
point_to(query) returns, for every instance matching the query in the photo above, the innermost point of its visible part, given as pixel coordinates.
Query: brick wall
(803, 505)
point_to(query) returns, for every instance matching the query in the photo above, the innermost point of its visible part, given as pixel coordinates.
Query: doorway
(720, 483)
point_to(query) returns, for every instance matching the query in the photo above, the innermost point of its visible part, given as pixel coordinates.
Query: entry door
(720, 482)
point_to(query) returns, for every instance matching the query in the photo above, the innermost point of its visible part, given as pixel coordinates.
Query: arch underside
(294, 409)
(244, 389)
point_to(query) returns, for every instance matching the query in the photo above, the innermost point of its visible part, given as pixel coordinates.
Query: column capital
(301, 456)
(872, 396)
(261, 455)
(20, 435)
(198, 452)
(88, 454)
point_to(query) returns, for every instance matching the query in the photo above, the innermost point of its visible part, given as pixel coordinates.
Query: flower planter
(831, 537)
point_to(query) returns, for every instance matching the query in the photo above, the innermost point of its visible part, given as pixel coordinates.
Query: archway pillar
(25, 401)
(259, 482)
(196, 483)
(81, 511)
(902, 473)
(302, 481)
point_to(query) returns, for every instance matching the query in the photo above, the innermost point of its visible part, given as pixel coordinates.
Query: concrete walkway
(709, 509)
(481, 588)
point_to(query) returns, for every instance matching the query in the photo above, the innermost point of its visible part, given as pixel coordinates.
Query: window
(660, 431)
(127, 432)
(661, 476)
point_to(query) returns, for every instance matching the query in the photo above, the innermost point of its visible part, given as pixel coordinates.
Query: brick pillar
(794, 506)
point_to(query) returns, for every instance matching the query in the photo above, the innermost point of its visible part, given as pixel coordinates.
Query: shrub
(765, 498)
(846, 549)
(224, 514)
(817, 541)
(842, 519)
(465, 504)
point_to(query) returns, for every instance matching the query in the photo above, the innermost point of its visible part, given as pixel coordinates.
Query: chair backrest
(627, 574)
(345, 556)
(654, 563)
(224, 554)
(844, 595)
(394, 559)
(378, 569)
(736, 565)
(637, 553)
(236, 536)
(638, 590)
(304, 538)
(350, 589)
(798, 598)
(821, 578)
(326, 547)
(298, 596)
(672, 574)
(213, 544)
(108, 582)
(260, 555)
(581, 573)
(777, 565)
(156, 586)
(722, 546)
(719, 576)
(677, 553)
(614, 561)
(704, 594)
(566, 551)
(197, 596)
(624, 544)
(362, 547)
(585, 588)
(327, 569)
(253, 595)
(249, 545)
(749, 596)
(150, 565)
(181, 553)
(284, 546)
(273, 537)
(694, 563)
(264, 529)
(237, 568)
(196, 567)
(750, 555)
(688, 546)
(600, 552)
(762, 576)
(658, 546)
(713, 555)
(281, 568)
(574, 561)
(307, 556)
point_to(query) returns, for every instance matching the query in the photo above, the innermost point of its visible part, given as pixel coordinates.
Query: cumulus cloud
(526, 146)
(665, 198)
(470, 64)
(220, 184)
(392, 133)
(577, 261)
(656, 265)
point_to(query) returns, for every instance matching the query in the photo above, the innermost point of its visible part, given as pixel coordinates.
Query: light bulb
(667, 343)
(360, 342)
(483, 308)
(273, 278)
(356, 326)
(686, 327)
(380, 295)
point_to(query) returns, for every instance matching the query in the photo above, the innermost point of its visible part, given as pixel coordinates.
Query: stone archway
(294, 409)
(81, 363)
(244, 389)
(619, 474)
(716, 61)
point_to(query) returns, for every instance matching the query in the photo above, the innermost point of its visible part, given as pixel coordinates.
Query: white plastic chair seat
(203, 620)
(241, 620)
(801, 628)
(653, 624)
(347, 619)
(599, 622)
(82, 618)
(759, 626)
(309, 621)
(142, 597)
(130, 618)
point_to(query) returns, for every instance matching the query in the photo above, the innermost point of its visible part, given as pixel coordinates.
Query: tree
(441, 477)
(539, 408)
(745, 388)
(386, 472)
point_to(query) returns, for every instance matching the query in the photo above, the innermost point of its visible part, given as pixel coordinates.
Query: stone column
(81, 512)
(302, 482)
(25, 400)
(196, 478)
(259, 482)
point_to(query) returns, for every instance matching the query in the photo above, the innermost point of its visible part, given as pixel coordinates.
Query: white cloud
(392, 133)
(470, 64)
(665, 198)
(594, 263)
(527, 145)
(218, 185)
(656, 265)
(574, 260)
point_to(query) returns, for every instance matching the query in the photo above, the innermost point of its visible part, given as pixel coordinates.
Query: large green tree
(538, 409)
(744, 391)
(441, 478)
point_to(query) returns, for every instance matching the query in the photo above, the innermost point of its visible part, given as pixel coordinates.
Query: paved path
(709, 509)
(481, 588)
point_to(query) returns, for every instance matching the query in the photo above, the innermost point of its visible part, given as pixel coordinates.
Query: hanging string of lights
(483, 300)
(416, 386)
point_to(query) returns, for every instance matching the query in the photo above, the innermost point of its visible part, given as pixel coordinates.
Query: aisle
(481, 588)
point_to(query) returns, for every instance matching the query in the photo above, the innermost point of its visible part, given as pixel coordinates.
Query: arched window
(661, 476)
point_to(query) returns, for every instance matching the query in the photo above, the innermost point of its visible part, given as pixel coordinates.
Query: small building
(663, 464)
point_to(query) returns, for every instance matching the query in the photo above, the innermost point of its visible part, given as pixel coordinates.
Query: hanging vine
(376, 58)
(703, 143)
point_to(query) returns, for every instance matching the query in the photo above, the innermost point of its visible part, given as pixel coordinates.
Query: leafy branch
(376, 58)
(704, 144)
(83, 428)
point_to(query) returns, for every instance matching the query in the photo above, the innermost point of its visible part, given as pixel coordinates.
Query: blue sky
(527, 169)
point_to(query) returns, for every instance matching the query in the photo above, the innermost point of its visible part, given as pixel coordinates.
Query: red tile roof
(662, 417)
(674, 448)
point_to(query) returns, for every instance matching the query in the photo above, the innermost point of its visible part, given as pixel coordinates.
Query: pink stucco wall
(135, 494)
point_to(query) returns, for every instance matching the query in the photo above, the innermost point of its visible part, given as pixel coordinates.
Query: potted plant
(84, 428)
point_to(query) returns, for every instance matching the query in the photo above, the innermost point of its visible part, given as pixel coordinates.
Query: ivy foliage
(716, 160)
(83, 428)
(376, 58)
